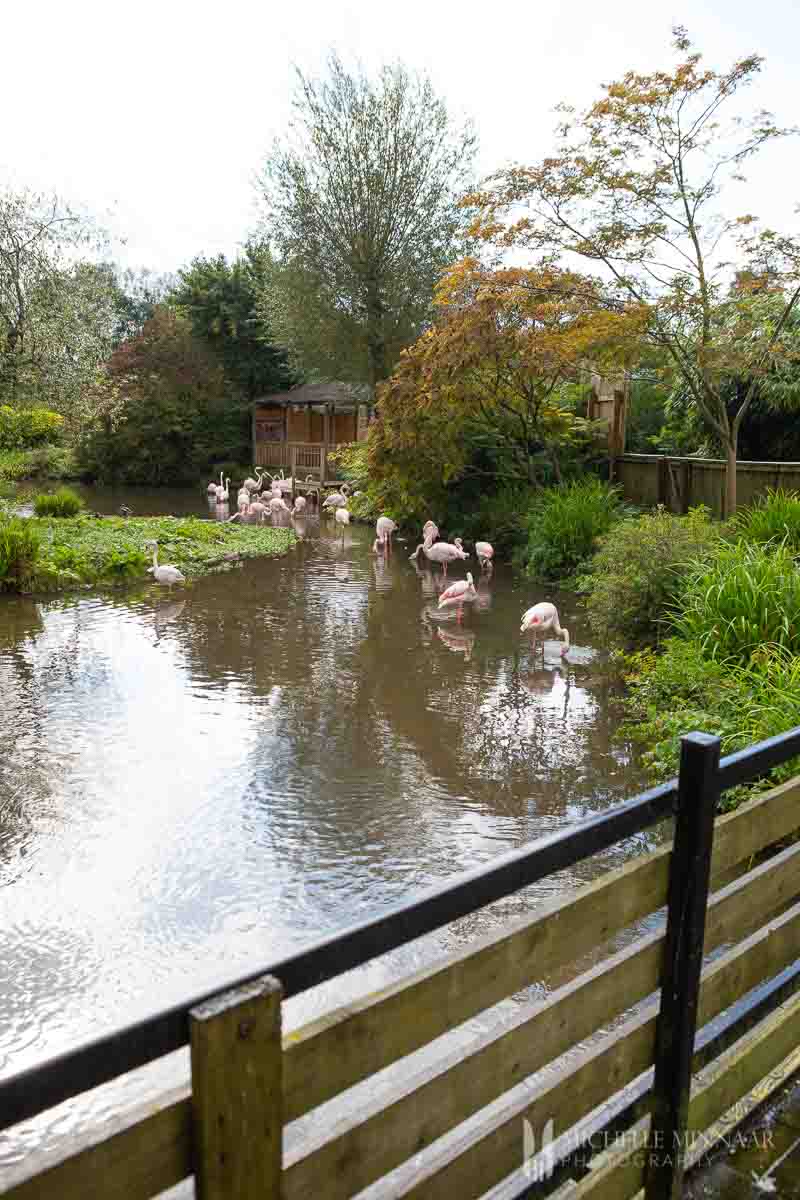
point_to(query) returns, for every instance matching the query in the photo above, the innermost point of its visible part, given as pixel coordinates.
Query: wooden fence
(682, 483)
(731, 890)
(296, 458)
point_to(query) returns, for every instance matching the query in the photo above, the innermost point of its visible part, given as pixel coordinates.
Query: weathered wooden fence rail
(640, 1005)
(683, 483)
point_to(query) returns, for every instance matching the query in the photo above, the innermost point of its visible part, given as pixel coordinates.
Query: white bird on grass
(543, 618)
(458, 594)
(441, 552)
(166, 574)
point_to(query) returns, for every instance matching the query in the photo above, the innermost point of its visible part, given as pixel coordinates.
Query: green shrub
(681, 690)
(772, 518)
(638, 569)
(19, 550)
(45, 462)
(21, 428)
(63, 503)
(564, 523)
(499, 517)
(744, 598)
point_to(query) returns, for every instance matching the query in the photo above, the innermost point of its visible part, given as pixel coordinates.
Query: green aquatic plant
(63, 503)
(19, 550)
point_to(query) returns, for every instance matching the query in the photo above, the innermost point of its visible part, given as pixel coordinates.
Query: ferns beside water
(19, 551)
(63, 503)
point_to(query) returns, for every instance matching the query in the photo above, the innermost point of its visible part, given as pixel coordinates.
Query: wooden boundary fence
(683, 483)
(724, 962)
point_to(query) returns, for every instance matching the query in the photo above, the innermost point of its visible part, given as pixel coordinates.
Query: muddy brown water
(193, 784)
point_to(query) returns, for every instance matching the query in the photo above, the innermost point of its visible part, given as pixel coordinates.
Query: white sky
(155, 116)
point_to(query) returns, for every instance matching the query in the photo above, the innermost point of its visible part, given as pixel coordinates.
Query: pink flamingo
(277, 505)
(430, 532)
(441, 552)
(543, 618)
(458, 594)
(485, 554)
(385, 527)
(379, 545)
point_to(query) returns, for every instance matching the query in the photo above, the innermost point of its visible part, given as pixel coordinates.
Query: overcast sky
(156, 115)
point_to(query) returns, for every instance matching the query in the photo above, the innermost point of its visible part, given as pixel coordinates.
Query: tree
(506, 345)
(221, 302)
(137, 296)
(633, 188)
(166, 409)
(56, 311)
(362, 210)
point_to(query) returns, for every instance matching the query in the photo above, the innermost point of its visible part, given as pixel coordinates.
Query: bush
(45, 462)
(499, 517)
(638, 569)
(24, 427)
(63, 503)
(19, 550)
(563, 526)
(774, 517)
(745, 598)
(681, 690)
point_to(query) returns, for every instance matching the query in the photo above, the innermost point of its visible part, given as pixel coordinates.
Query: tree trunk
(730, 476)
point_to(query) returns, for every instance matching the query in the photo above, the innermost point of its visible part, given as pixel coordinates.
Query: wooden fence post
(687, 900)
(237, 1093)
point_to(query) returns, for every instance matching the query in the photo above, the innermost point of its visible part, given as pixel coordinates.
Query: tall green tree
(221, 301)
(635, 187)
(56, 303)
(361, 207)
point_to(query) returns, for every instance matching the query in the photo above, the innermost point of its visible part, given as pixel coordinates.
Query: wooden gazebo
(295, 431)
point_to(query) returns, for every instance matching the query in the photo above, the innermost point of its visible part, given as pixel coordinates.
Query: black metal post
(698, 790)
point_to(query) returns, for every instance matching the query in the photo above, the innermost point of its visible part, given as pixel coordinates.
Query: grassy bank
(705, 619)
(57, 554)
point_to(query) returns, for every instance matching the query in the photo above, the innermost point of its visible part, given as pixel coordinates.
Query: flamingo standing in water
(278, 505)
(164, 574)
(342, 517)
(337, 499)
(299, 505)
(458, 594)
(254, 485)
(543, 618)
(441, 552)
(222, 492)
(212, 487)
(430, 532)
(485, 554)
(385, 527)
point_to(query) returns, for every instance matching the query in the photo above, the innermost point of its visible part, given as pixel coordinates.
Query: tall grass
(19, 550)
(745, 597)
(564, 524)
(63, 503)
(772, 518)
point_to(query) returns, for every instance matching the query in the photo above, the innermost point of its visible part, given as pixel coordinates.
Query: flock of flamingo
(254, 504)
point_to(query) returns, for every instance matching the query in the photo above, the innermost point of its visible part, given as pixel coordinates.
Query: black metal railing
(691, 799)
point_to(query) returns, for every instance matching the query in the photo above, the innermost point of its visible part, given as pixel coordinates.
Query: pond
(193, 784)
